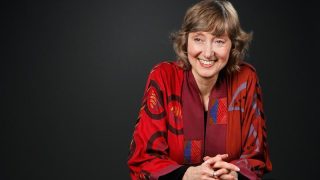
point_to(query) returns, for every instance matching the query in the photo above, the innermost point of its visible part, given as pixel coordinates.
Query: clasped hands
(213, 168)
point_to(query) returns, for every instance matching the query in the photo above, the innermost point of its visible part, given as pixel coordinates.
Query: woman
(202, 116)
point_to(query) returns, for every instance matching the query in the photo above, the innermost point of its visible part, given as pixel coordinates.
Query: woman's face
(208, 54)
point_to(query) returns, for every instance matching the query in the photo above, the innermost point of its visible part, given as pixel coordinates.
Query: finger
(222, 156)
(209, 174)
(223, 164)
(209, 178)
(221, 172)
(226, 165)
(216, 159)
(227, 177)
(206, 158)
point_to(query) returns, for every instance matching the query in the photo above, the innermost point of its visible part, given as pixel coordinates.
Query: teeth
(206, 62)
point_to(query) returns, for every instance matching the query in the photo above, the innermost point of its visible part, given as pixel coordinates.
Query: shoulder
(245, 77)
(166, 69)
(247, 68)
(168, 76)
(247, 71)
(166, 66)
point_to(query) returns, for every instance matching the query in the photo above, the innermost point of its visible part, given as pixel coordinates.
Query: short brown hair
(217, 17)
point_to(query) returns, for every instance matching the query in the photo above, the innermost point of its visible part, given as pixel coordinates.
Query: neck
(205, 85)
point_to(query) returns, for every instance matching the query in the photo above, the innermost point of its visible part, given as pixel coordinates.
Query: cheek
(223, 54)
(193, 50)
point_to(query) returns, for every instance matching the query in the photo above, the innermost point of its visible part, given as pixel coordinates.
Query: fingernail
(237, 169)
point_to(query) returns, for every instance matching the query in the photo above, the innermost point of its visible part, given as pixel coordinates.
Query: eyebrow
(215, 36)
(220, 36)
(199, 33)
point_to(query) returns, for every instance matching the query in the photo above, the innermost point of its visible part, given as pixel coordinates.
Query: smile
(207, 62)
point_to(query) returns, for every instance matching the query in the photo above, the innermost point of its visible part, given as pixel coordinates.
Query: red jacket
(164, 137)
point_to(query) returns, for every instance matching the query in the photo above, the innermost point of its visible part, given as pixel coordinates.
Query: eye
(219, 42)
(197, 39)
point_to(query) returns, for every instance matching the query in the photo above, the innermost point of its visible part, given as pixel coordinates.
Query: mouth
(207, 63)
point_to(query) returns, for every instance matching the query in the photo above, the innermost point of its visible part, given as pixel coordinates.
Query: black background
(73, 75)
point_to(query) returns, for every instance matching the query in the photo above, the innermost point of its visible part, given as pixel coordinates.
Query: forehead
(210, 34)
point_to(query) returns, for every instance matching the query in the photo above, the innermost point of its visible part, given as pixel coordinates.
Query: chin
(208, 75)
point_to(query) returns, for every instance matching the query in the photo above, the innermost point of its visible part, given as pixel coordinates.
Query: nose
(208, 51)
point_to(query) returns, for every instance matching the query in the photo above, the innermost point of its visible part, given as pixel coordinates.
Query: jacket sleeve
(254, 160)
(148, 157)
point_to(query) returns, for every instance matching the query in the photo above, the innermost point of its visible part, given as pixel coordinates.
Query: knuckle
(226, 170)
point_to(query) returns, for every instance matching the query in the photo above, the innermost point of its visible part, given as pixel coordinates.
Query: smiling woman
(208, 55)
(202, 116)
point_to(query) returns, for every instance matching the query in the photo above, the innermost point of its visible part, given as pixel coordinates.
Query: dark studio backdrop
(73, 75)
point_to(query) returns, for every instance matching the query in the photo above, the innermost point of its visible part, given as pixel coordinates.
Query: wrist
(185, 176)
